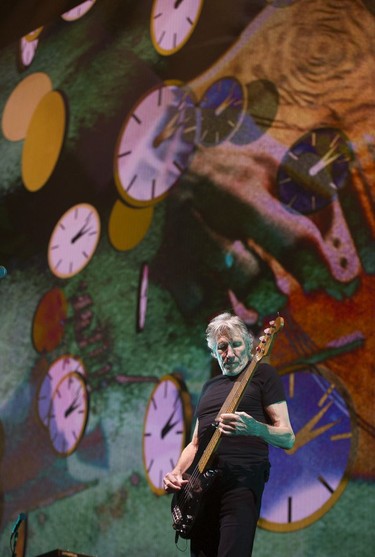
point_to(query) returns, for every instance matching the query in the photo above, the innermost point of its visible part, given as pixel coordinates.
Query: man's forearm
(186, 459)
(278, 436)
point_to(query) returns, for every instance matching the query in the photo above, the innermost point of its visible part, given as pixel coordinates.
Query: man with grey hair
(226, 525)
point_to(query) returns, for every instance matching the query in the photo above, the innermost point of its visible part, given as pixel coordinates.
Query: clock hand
(307, 433)
(80, 233)
(71, 408)
(177, 4)
(168, 426)
(324, 161)
(74, 404)
(167, 132)
(224, 105)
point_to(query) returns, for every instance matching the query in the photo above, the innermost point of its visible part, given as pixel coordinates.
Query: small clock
(59, 369)
(166, 429)
(313, 170)
(172, 23)
(69, 413)
(79, 11)
(152, 152)
(309, 478)
(221, 111)
(74, 240)
(127, 226)
(260, 113)
(142, 297)
(27, 48)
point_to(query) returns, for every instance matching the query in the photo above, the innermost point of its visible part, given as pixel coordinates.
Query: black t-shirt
(265, 388)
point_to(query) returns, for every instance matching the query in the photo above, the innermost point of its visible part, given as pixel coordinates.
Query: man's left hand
(239, 423)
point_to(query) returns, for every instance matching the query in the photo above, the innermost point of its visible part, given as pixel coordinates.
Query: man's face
(232, 353)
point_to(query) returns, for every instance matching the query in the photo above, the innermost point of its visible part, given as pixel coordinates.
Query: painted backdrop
(162, 162)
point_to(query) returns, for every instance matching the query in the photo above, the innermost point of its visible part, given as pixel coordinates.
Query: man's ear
(213, 354)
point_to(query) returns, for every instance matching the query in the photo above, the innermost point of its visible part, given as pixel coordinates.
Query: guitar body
(187, 503)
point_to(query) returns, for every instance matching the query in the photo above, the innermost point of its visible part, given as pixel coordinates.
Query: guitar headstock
(268, 338)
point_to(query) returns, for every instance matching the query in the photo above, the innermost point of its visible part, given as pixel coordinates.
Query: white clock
(27, 48)
(59, 369)
(79, 11)
(73, 241)
(152, 151)
(172, 23)
(68, 413)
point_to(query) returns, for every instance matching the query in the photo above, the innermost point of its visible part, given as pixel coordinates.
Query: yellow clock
(172, 23)
(44, 140)
(74, 240)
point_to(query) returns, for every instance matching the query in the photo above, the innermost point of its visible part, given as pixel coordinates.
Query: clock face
(73, 241)
(142, 297)
(59, 369)
(221, 111)
(172, 23)
(166, 428)
(259, 115)
(308, 479)
(79, 11)
(27, 48)
(69, 413)
(152, 152)
(314, 169)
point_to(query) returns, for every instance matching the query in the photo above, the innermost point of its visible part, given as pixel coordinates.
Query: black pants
(227, 522)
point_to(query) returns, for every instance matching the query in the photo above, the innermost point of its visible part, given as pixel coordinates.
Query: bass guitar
(187, 502)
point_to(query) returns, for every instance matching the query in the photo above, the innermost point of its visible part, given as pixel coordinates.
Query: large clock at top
(152, 149)
(307, 480)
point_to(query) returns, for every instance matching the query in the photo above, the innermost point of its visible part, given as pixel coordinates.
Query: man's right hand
(173, 481)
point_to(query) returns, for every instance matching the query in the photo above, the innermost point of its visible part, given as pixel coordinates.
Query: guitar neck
(230, 405)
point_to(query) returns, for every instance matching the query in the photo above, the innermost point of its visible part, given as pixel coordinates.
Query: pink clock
(172, 23)
(152, 150)
(142, 297)
(166, 429)
(79, 11)
(59, 369)
(27, 48)
(73, 241)
(68, 413)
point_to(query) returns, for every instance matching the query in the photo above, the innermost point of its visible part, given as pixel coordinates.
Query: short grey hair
(225, 324)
